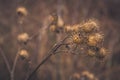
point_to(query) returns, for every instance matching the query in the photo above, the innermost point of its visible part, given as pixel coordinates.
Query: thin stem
(14, 65)
(50, 53)
(33, 36)
(11, 75)
(5, 59)
(44, 60)
(15, 62)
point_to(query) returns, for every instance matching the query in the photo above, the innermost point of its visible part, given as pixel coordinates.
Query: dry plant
(84, 75)
(85, 38)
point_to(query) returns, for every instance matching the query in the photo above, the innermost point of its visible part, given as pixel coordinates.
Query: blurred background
(60, 66)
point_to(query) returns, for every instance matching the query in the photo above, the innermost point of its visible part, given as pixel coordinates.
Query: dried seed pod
(102, 53)
(21, 11)
(68, 28)
(76, 39)
(75, 28)
(89, 75)
(90, 26)
(91, 53)
(24, 54)
(54, 18)
(52, 28)
(51, 18)
(24, 37)
(94, 39)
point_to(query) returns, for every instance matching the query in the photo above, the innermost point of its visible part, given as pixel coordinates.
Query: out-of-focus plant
(84, 75)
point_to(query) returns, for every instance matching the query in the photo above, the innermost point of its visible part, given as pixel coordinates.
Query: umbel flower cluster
(85, 37)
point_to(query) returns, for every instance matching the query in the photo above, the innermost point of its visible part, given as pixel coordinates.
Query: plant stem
(50, 53)
(14, 65)
(11, 75)
(5, 59)
(44, 60)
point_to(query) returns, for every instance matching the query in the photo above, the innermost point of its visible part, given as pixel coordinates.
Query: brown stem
(14, 65)
(50, 53)
(5, 59)
(44, 60)
(11, 71)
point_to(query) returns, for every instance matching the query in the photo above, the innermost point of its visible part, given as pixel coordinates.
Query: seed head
(102, 53)
(24, 37)
(75, 28)
(52, 28)
(21, 11)
(23, 54)
(76, 39)
(68, 28)
(91, 53)
(94, 39)
(90, 26)
(51, 18)
(88, 74)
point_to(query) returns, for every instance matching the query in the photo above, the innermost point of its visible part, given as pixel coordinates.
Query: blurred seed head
(91, 53)
(67, 28)
(102, 53)
(23, 37)
(21, 11)
(24, 54)
(95, 39)
(52, 28)
(75, 28)
(89, 75)
(51, 18)
(76, 39)
(90, 26)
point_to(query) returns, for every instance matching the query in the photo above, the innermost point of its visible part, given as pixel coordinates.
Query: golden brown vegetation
(54, 40)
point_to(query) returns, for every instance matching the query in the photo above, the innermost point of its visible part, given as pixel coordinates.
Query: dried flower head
(91, 53)
(51, 18)
(88, 74)
(54, 18)
(76, 28)
(76, 39)
(94, 39)
(24, 37)
(52, 28)
(67, 28)
(90, 26)
(21, 11)
(23, 54)
(102, 53)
